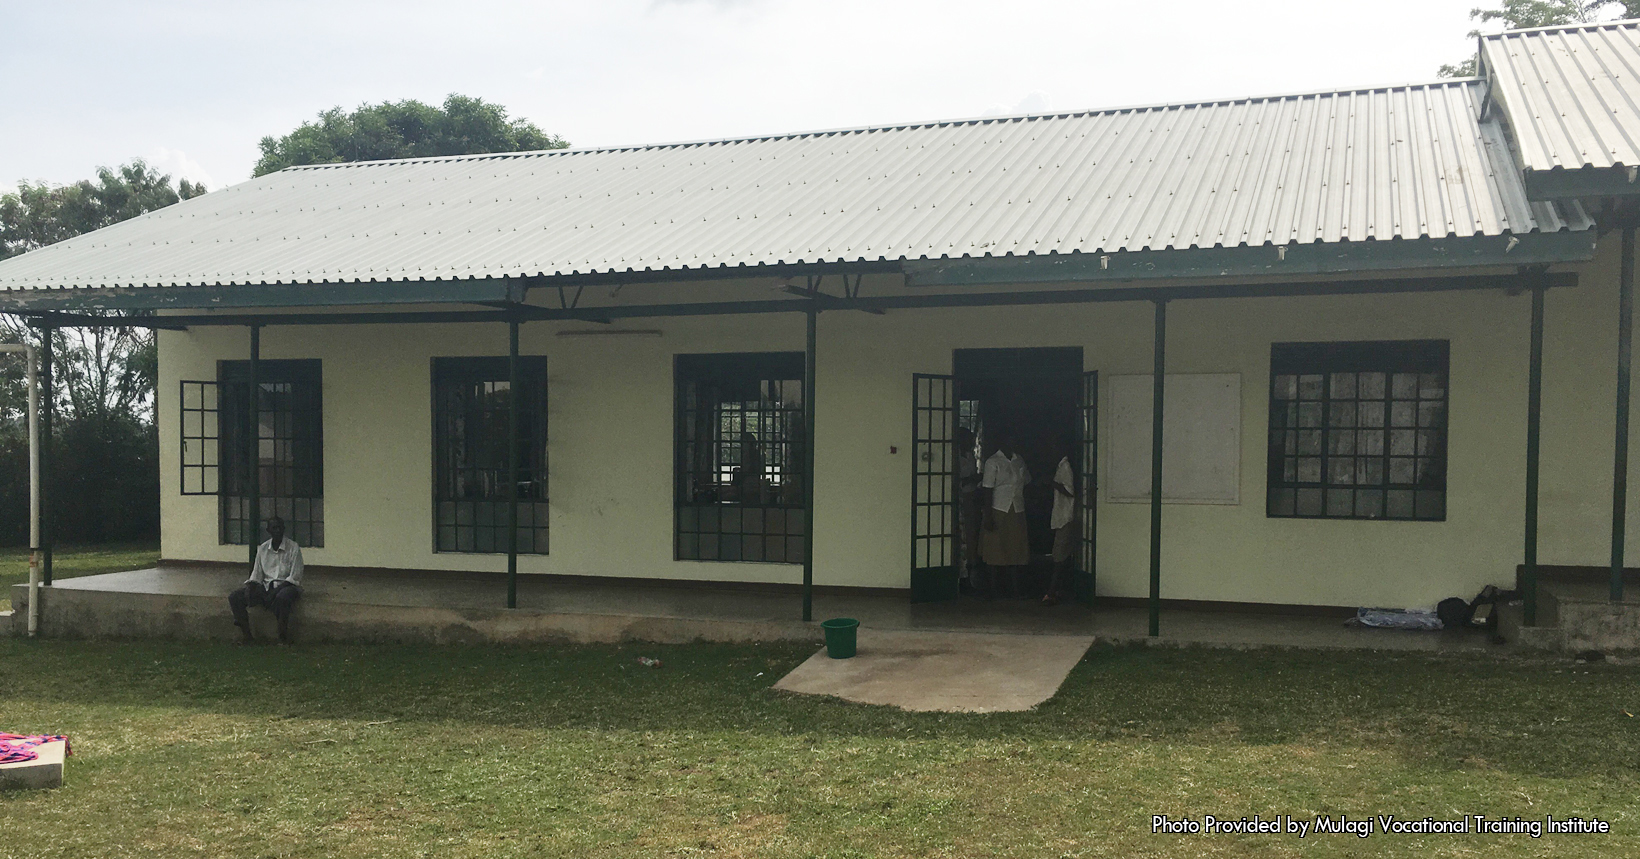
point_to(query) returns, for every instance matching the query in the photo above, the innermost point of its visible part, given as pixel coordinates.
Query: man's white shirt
(283, 564)
(1006, 478)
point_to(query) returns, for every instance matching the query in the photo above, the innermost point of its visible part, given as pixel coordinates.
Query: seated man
(275, 583)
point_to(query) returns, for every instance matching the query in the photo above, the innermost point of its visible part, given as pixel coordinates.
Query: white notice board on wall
(1201, 439)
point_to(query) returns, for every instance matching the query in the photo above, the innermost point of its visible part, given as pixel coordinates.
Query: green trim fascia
(1442, 255)
(266, 295)
(1581, 183)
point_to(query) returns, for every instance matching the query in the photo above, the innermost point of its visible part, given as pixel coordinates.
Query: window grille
(472, 399)
(739, 450)
(1358, 430)
(289, 442)
(201, 438)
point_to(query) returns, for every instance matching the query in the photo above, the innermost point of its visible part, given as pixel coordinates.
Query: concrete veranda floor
(779, 613)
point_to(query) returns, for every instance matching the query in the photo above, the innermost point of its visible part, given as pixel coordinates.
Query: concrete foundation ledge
(8, 623)
(42, 773)
(90, 614)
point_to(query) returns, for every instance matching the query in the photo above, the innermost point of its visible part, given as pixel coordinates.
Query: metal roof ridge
(902, 126)
(1622, 23)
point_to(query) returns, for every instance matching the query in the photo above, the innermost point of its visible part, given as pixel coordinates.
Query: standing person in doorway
(1005, 544)
(751, 478)
(967, 510)
(1063, 522)
(275, 583)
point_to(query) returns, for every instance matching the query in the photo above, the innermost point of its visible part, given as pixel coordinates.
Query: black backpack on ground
(1454, 613)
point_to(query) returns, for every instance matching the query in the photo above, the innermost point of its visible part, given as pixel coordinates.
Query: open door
(1088, 490)
(933, 488)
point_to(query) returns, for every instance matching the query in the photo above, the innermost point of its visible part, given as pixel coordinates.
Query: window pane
(1371, 386)
(1399, 504)
(1309, 502)
(1309, 387)
(1404, 386)
(1369, 503)
(1286, 387)
(1340, 502)
(1343, 386)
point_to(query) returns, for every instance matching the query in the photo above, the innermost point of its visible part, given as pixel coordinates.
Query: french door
(1087, 493)
(933, 488)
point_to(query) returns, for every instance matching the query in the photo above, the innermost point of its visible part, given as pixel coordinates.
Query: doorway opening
(1043, 401)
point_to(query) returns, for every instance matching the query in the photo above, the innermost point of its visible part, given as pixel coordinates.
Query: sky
(192, 86)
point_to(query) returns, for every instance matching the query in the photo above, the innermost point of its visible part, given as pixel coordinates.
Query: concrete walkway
(189, 602)
(954, 672)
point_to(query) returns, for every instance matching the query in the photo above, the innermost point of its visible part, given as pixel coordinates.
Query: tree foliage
(1524, 14)
(404, 129)
(105, 483)
(38, 214)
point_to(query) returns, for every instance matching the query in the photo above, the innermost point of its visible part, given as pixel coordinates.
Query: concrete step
(1513, 630)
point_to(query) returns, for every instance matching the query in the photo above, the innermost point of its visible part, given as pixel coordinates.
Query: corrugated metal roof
(1377, 164)
(1572, 94)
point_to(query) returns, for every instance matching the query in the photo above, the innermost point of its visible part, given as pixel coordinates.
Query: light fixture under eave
(611, 332)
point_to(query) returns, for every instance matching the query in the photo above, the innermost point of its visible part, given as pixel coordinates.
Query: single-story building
(747, 360)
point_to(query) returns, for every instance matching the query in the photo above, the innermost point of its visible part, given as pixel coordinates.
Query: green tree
(106, 484)
(103, 371)
(404, 129)
(1522, 14)
(38, 214)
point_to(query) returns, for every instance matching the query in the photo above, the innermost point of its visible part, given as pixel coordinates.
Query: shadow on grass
(1540, 718)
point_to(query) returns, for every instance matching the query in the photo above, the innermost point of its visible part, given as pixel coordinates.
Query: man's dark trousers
(278, 600)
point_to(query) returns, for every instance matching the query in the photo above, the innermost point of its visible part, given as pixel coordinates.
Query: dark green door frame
(253, 446)
(812, 323)
(1534, 420)
(512, 463)
(1160, 371)
(1620, 459)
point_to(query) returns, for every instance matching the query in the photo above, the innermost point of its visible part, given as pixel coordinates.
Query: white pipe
(33, 482)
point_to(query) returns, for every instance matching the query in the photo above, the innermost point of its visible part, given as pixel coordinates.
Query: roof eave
(1562, 183)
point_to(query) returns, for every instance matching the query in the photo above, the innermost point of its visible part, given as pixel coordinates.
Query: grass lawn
(206, 750)
(70, 561)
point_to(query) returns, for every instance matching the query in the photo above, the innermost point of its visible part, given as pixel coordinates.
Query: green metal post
(1620, 465)
(47, 400)
(1534, 417)
(512, 463)
(253, 437)
(1160, 371)
(808, 466)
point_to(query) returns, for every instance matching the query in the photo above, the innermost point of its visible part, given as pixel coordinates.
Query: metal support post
(808, 465)
(47, 413)
(1620, 464)
(1160, 372)
(253, 446)
(33, 376)
(512, 462)
(1534, 418)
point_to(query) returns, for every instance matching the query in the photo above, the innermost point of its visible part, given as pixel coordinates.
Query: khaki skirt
(1008, 545)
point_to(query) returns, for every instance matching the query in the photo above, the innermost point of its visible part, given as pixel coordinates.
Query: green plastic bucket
(840, 636)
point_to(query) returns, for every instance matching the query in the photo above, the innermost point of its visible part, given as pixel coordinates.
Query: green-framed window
(1358, 430)
(471, 400)
(288, 439)
(739, 457)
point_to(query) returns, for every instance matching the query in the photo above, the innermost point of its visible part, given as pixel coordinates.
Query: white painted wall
(611, 444)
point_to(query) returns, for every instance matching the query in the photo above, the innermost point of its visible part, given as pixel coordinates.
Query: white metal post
(33, 481)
